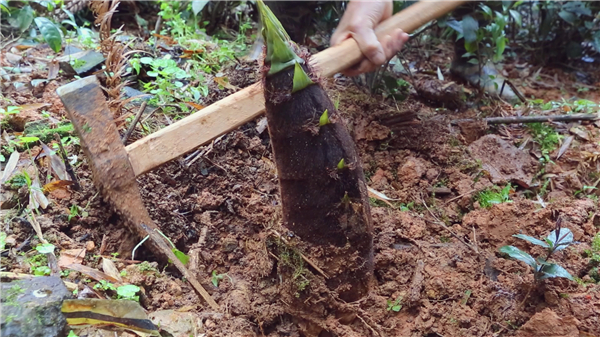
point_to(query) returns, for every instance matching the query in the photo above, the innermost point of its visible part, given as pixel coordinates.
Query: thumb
(369, 45)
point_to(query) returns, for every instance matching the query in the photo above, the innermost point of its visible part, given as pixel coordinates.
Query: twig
(440, 223)
(460, 196)
(68, 166)
(516, 91)
(150, 114)
(475, 239)
(134, 123)
(531, 119)
(307, 260)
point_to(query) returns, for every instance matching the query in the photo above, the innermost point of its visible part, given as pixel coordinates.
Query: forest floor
(438, 270)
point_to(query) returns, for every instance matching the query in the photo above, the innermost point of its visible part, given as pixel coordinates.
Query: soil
(437, 255)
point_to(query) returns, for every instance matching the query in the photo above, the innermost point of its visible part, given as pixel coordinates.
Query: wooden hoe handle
(247, 104)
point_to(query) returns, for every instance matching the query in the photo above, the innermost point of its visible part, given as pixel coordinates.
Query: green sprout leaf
(50, 32)
(128, 292)
(301, 79)
(552, 270)
(45, 248)
(2, 240)
(279, 49)
(532, 240)
(181, 256)
(520, 255)
(324, 119)
(341, 165)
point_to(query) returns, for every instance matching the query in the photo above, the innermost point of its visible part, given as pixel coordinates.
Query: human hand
(359, 22)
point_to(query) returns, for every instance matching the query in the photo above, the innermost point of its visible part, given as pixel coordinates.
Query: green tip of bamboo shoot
(341, 165)
(324, 119)
(301, 79)
(280, 53)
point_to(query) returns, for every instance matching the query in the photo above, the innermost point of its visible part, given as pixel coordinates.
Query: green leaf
(341, 165)
(22, 18)
(128, 291)
(396, 307)
(517, 17)
(532, 240)
(301, 79)
(500, 46)
(470, 27)
(181, 256)
(50, 32)
(42, 271)
(567, 16)
(2, 240)
(456, 25)
(520, 255)
(553, 270)
(565, 238)
(45, 248)
(72, 334)
(215, 278)
(198, 5)
(324, 119)
(486, 10)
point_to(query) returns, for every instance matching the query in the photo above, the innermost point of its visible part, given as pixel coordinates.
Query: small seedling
(558, 239)
(128, 292)
(105, 285)
(72, 334)
(394, 306)
(493, 196)
(215, 278)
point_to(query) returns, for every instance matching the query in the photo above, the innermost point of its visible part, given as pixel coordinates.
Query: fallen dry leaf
(58, 184)
(93, 273)
(224, 82)
(58, 166)
(71, 256)
(380, 196)
(36, 196)
(13, 160)
(195, 105)
(110, 269)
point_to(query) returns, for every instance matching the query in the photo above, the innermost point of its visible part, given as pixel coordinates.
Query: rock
(178, 324)
(548, 324)
(90, 245)
(32, 307)
(80, 63)
(503, 161)
(412, 171)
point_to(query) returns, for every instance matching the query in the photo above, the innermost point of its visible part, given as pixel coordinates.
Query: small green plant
(128, 292)
(39, 265)
(215, 278)
(2, 240)
(407, 207)
(557, 240)
(546, 137)
(146, 266)
(105, 285)
(495, 195)
(395, 305)
(72, 334)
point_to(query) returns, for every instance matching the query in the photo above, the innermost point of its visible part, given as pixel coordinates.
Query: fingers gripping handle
(347, 54)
